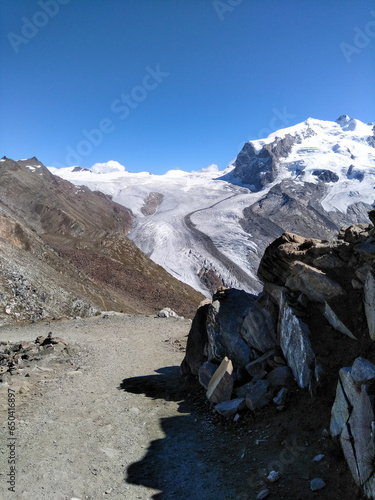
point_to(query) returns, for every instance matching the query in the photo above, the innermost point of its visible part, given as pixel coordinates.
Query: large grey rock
(295, 343)
(167, 312)
(224, 321)
(258, 395)
(259, 325)
(231, 407)
(347, 393)
(369, 301)
(313, 283)
(353, 421)
(196, 347)
(221, 384)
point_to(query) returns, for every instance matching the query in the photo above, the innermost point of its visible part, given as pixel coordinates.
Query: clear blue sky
(176, 83)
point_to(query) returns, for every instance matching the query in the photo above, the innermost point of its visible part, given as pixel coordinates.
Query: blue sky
(163, 84)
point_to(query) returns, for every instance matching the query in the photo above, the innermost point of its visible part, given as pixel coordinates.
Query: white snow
(341, 147)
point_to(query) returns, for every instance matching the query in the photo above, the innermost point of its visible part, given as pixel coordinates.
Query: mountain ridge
(310, 178)
(65, 251)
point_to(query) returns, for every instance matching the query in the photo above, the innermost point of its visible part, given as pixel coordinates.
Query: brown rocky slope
(64, 251)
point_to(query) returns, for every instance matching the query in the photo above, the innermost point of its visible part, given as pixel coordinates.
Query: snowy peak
(312, 151)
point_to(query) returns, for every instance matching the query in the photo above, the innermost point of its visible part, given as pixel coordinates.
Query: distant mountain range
(64, 252)
(209, 227)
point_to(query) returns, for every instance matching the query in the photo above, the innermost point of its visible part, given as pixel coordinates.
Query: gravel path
(109, 421)
(114, 420)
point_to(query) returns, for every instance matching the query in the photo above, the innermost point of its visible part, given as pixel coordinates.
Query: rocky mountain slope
(64, 251)
(209, 227)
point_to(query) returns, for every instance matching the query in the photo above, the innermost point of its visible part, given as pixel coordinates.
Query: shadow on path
(185, 463)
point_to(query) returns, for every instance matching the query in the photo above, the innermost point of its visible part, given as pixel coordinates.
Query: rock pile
(18, 357)
(315, 315)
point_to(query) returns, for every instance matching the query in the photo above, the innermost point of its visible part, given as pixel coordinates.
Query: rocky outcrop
(314, 316)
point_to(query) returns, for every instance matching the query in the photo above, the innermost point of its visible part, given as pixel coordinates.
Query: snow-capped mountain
(209, 226)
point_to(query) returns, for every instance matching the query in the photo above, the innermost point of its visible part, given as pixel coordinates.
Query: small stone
(317, 484)
(236, 417)
(318, 458)
(263, 494)
(107, 492)
(273, 476)
(325, 433)
(229, 408)
(258, 396)
(280, 398)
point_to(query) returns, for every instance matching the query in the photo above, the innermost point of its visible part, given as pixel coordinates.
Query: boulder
(220, 387)
(280, 377)
(369, 302)
(167, 313)
(196, 345)
(295, 343)
(357, 233)
(352, 420)
(224, 321)
(259, 325)
(313, 283)
(258, 395)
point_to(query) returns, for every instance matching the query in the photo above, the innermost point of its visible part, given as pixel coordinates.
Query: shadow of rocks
(184, 464)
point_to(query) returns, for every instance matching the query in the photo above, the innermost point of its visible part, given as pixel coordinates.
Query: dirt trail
(114, 420)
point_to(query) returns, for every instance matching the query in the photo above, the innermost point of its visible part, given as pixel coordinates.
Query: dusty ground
(112, 419)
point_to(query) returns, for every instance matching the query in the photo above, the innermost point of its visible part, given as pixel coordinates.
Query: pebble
(317, 484)
(318, 458)
(273, 476)
(263, 494)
